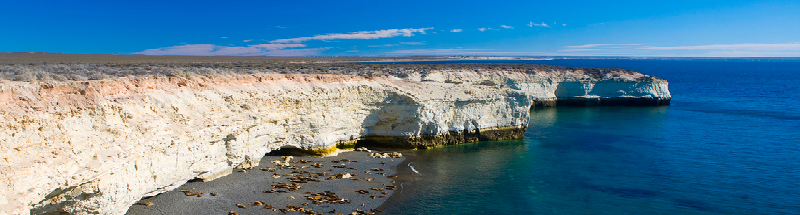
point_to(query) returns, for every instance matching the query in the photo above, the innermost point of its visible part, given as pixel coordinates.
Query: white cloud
(565, 25)
(401, 43)
(483, 29)
(745, 47)
(384, 45)
(506, 27)
(279, 26)
(531, 24)
(717, 50)
(407, 32)
(457, 51)
(246, 40)
(224, 37)
(599, 45)
(457, 30)
(273, 46)
(251, 50)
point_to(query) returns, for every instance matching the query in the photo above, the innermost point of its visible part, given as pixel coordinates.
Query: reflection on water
(728, 144)
(600, 160)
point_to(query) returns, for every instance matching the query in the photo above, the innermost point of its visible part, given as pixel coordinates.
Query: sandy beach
(351, 182)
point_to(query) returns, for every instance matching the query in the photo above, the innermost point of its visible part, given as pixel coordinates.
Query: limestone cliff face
(99, 146)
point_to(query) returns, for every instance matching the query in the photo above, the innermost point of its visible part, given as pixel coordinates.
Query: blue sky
(378, 28)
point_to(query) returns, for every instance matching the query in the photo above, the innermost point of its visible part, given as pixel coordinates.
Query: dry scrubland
(82, 67)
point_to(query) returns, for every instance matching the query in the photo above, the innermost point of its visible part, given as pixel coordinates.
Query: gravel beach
(352, 181)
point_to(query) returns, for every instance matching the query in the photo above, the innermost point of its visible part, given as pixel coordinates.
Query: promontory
(92, 134)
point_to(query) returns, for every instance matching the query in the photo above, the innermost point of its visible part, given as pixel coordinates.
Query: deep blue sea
(728, 144)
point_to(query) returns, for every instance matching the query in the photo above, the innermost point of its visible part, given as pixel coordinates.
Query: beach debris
(363, 149)
(326, 197)
(362, 191)
(317, 165)
(390, 187)
(376, 189)
(213, 194)
(257, 203)
(343, 175)
(291, 197)
(241, 205)
(145, 203)
(190, 193)
(392, 176)
(385, 155)
(377, 169)
(289, 187)
(267, 206)
(370, 179)
(276, 175)
(287, 158)
(233, 213)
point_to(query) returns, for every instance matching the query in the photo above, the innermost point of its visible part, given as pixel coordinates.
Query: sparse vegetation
(81, 67)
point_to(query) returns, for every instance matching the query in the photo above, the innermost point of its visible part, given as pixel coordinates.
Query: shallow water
(728, 144)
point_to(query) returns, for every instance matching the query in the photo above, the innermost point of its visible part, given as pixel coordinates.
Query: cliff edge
(97, 146)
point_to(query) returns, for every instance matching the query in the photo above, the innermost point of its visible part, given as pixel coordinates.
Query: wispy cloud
(224, 37)
(407, 32)
(393, 45)
(251, 50)
(384, 45)
(482, 29)
(716, 50)
(457, 51)
(746, 46)
(246, 40)
(506, 27)
(531, 24)
(413, 43)
(599, 45)
(457, 30)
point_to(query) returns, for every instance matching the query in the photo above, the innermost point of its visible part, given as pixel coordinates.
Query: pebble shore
(353, 182)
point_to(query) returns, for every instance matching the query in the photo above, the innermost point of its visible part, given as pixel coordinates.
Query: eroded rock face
(99, 146)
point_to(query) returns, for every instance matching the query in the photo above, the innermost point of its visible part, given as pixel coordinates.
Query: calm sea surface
(728, 144)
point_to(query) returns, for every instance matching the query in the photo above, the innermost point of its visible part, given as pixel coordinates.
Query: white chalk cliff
(96, 147)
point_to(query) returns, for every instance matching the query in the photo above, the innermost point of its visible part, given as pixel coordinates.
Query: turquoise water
(728, 144)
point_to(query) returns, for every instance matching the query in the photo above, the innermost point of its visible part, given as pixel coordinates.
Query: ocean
(729, 143)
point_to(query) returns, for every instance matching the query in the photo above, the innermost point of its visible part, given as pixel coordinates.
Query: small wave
(412, 168)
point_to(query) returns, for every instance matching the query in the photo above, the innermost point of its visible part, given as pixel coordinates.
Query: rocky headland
(95, 137)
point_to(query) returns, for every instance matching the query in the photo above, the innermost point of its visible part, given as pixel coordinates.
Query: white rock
(111, 142)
